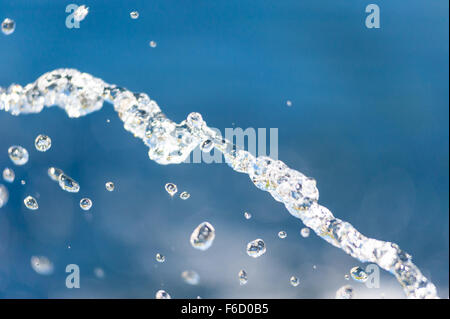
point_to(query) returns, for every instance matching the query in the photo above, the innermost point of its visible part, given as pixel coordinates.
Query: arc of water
(170, 143)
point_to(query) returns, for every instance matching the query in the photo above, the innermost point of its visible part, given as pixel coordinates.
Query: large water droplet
(31, 203)
(134, 15)
(162, 294)
(358, 274)
(256, 248)
(54, 173)
(85, 204)
(203, 236)
(171, 188)
(8, 26)
(9, 175)
(18, 155)
(42, 265)
(42, 143)
(190, 277)
(68, 184)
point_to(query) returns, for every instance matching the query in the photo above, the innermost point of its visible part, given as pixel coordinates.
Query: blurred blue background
(369, 121)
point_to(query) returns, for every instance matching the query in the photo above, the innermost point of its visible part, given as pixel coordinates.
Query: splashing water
(171, 143)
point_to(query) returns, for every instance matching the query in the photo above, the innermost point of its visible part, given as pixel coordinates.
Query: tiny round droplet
(160, 258)
(109, 186)
(171, 188)
(31, 203)
(247, 215)
(8, 26)
(345, 292)
(242, 275)
(358, 274)
(185, 195)
(134, 15)
(54, 173)
(162, 294)
(23, 182)
(42, 143)
(289, 103)
(347, 277)
(256, 248)
(203, 236)
(153, 44)
(4, 195)
(305, 232)
(190, 277)
(294, 281)
(282, 234)
(18, 155)
(9, 175)
(85, 204)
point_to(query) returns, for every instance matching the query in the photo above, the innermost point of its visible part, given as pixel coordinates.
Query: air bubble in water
(9, 175)
(80, 13)
(18, 155)
(31, 203)
(256, 248)
(160, 258)
(171, 188)
(8, 26)
(85, 204)
(162, 294)
(294, 281)
(358, 274)
(305, 232)
(42, 265)
(43, 143)
(153, 44)
(109, 186)
(54, 173)
(185, 195)
(190, 277)
(282, 234)
(345, 292)
(134, 15)
(247, 215)
(68, 184)
(203, 236)
(243, 279)
(4, 195)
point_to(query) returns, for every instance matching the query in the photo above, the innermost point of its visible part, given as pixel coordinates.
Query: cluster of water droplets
(171, 143)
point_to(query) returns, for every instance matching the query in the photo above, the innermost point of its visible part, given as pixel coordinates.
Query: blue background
(369, 121)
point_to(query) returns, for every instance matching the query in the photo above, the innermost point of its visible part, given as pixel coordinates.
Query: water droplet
(345, 292)
(8, 26)
(80, 13)
(42, 265)
(195, 120)
(54, 173)
(134, 15)
(243, 279)
(256, 248)
(153, 44)
(294, 281)
(18, 155)
(305, 232)
(171, 188)
(190, 277)
(9, 175)
(282, 234)
(108, 120)
(109, 186)
(68, 184)
(162, 294)
(85, 204)
(347, 277)
(289, 103)
(4, 195)
(207, 146)
(358, 274)
(185, 195)
(314, 267)
(203, 236)
(43, 143)
(23, 182)
(99, 272)
(247, 215)
(160, 258)
(31, 203)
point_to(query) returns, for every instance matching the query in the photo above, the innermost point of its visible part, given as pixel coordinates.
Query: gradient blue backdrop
(369, 121)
